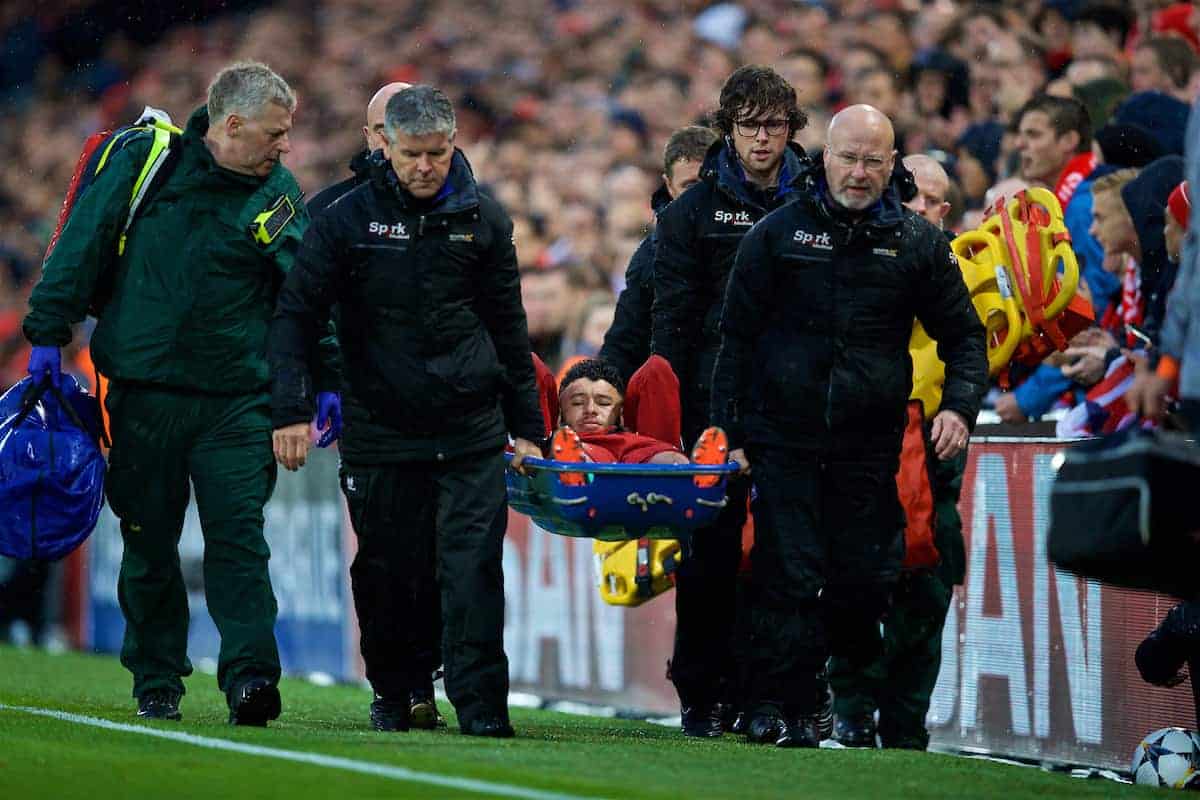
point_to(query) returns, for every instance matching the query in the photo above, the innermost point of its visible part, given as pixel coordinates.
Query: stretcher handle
(607, 468)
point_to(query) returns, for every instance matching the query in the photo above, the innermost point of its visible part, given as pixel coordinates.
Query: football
(1167, 757)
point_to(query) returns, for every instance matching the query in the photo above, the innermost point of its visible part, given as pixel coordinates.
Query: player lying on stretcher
(600, 421)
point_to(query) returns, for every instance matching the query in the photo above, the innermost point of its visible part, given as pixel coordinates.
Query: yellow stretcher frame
(1022, 275)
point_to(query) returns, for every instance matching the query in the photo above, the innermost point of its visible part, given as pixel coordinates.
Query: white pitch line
(316, 759)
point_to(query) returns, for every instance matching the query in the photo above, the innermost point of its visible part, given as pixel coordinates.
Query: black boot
(855, 730)
(254, 703)
(702, 720)
(390, 714)
(766, 725)
(159, 704)
(493, 727)
(800, 731)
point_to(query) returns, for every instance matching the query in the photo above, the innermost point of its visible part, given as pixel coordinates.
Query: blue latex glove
(46, 361)
(329, 412)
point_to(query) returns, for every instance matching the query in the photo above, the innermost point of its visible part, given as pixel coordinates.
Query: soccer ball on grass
(1168, 757)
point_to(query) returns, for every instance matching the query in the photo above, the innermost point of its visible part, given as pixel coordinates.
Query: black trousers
(420, 525)
(828, 544)
(704, 665)
(23, 597)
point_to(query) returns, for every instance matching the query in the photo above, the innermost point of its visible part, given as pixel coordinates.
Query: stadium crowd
(565, 107)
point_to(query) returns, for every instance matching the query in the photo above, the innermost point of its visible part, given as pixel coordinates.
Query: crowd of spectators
(564, 105)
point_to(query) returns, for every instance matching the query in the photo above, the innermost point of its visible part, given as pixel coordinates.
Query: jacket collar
(458, 193)
(886, 214)
(721, 168)
(660, 199)
(360, 165)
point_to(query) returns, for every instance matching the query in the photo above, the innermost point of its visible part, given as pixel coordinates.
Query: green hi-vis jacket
(194, 291)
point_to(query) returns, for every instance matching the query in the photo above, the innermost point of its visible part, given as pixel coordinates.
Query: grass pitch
(43, 757)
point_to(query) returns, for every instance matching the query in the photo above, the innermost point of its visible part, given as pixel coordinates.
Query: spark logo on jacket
(394, 231)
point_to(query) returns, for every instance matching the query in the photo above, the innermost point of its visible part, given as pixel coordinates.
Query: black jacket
(360, 166)
(627, 342)
(698, 235)
(432, 330)
(817, 321)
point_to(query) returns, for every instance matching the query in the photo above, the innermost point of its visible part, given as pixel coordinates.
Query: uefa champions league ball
(1168, 757)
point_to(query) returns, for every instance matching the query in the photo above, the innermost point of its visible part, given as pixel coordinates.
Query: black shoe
(254, 703)
(825, 714)
(906, 743)
(766, 726)
(159, 704)
(389, 715)
(800, 731)
(703, 721)
(423, 711)
(856, 730)
(740, 724)
(493, 727)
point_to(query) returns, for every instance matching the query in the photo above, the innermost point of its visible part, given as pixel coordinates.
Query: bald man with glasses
(811, 384)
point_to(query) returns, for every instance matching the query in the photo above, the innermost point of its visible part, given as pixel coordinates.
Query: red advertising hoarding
(1036, 663)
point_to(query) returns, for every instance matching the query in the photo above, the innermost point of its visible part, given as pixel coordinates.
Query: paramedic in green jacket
(183, 341)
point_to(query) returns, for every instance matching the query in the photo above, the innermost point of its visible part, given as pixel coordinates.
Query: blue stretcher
(618, 502)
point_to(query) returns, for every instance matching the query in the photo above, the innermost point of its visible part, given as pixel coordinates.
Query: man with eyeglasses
(811, 384)
(751, 170)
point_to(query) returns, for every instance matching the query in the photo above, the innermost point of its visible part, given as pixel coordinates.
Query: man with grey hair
(811, 384)
(422, 711)
(438, 372)
(185, 292)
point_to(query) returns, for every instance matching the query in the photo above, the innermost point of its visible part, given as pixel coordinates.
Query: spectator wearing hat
(1164, 116)
(1175, 226)
(1146, 199)
(1179, 345)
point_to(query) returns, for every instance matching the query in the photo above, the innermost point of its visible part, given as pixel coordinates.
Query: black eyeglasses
(750, 127)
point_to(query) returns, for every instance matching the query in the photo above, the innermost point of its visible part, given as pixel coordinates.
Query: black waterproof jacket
(432, 329)
(817, 321)
(698, 235)
(360, 167)
(627, 343)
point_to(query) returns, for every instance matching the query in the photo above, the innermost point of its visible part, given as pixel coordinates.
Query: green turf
(44, 758)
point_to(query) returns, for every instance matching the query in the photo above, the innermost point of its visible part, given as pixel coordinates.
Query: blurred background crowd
(564, 105)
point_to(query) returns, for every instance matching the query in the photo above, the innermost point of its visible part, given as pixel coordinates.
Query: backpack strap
(164, 152)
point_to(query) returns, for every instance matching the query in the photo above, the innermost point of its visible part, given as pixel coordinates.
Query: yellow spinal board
(636, 570)
(1022, 276)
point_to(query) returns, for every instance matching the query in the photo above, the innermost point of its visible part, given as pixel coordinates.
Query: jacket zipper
(829, 386)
